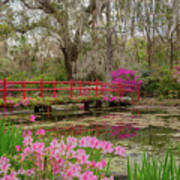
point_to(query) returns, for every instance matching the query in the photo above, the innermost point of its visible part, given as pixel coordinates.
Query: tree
(64, 20)
(168, 27)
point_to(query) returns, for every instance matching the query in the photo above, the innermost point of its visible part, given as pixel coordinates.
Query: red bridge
(71, 88)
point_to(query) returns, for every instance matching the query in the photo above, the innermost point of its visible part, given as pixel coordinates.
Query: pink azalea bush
(110, 98)
(23, 102)
(67, 158)
(176, 74)
(115, 99)
(126, 77)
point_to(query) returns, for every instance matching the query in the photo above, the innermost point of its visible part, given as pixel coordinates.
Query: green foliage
(60, 72)
(153, 169)
(17, 76)
(44, 77)
(5, 30)
(160, 83)
(10, 136)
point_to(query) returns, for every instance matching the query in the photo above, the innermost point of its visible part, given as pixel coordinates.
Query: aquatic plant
(66, 158)
(154, 169)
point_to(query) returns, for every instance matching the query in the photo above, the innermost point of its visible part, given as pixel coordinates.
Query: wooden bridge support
(86, 106)
(42, 108)
(98, 104)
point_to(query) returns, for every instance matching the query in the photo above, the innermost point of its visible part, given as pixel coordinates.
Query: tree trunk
(171, 52)
(109, 55)
(68, 64)
(149, 53)
(70, 53)
(108, 43)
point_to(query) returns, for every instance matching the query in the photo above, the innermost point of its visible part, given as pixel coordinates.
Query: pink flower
(74, 170)
(71, 143)
(81, 107)
(93, 164)
(120, 151)
(18, 148)
(24, 133)
(29, 133)
(82, 157)
(65, 158)
(101, 165)
(30, 172)
(11, 176)
(4, 164)
(40, 132)
(21, 171)
(32, 118)
(105, 98)
(107, 147)
(88, 175)
(27, 140)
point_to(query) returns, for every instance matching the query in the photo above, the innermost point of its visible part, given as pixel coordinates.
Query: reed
(154, 169)
(10, 136)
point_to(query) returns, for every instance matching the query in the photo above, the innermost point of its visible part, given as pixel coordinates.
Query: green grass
(155, 169)
(10, 136)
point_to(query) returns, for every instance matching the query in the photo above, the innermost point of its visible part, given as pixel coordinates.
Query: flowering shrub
(68, 158)
(110, 98)
(176, 74)
(23, 102)
(116, 99)
(126, 77)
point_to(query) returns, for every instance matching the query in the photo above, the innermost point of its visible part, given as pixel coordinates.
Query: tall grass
(10, 136)
(155, 169)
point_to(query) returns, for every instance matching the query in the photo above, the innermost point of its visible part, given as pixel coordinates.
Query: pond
(138, 128)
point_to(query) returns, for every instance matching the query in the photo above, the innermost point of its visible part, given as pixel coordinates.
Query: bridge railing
(79, 88)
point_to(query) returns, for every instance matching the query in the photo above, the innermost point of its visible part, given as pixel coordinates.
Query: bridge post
(96, 87)
(54, 88)
(86, 106)
(119, 89)
(80, 88)
(122, 90)
(41, 88)
(24, 89)
(71, 89)
(5, 90)
(102, 89)
(138, 92)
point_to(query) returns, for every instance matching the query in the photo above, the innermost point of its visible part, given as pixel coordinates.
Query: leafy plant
(10, 136)
(64, 158)
(153, 169)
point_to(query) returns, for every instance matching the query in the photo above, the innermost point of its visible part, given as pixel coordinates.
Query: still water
(138, 128)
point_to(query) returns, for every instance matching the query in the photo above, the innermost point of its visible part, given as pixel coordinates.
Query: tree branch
(44, 5)
(3, 2)
(29, 6)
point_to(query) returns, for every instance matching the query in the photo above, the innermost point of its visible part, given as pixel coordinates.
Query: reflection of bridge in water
(121, 131)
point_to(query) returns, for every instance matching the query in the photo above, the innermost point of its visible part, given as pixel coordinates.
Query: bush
(160, 84)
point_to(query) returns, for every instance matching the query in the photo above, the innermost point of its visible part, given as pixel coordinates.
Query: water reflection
(143, 127)
(117, 132)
